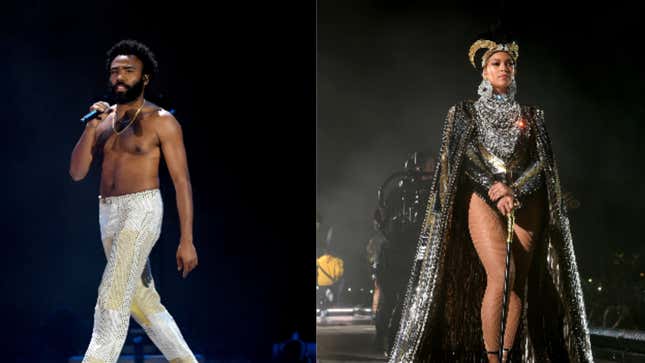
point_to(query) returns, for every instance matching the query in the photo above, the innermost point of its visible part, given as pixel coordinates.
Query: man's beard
(131, 92)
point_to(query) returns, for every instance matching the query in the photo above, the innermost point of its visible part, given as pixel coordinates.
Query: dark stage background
(390, 70)
(242, 81)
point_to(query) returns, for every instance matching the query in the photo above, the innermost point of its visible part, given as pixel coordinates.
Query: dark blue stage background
(241, 79)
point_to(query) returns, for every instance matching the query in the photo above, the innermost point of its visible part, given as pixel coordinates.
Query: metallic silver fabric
(485, 89)
(441, 316)
(497, 118)
(503, 149)
(130, 226)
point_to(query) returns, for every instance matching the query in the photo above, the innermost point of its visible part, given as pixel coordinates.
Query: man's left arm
(174, 153)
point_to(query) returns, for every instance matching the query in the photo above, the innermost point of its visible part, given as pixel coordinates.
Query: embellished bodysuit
(503, 149)
(484, 141)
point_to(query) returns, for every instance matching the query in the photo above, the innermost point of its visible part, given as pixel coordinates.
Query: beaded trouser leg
(130, 226)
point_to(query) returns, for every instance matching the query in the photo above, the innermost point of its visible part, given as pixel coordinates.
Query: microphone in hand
(94, 114)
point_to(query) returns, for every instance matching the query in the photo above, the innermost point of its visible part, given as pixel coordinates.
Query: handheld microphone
(93, 114)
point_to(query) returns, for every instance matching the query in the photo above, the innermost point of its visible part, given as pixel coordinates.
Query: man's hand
(186, 258)
(102, 107)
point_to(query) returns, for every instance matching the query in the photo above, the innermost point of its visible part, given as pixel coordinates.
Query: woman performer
(495, 183)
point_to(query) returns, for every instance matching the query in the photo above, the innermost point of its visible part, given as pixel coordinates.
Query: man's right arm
(82, 154)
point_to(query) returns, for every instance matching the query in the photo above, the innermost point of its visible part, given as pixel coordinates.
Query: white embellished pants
(130, 226)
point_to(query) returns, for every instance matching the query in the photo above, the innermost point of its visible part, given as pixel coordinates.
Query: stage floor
(350, 339)
(346, 339)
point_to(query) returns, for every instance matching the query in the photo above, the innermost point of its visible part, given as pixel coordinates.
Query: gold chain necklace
(129, 123)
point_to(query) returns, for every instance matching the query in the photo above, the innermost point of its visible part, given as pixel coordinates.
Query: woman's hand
(499, 190)
(505, 205)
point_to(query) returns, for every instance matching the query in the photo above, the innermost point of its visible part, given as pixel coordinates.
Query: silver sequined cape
(441, 315)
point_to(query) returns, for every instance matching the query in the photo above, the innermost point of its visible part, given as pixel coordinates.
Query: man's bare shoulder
(156, 114)
(163, 122)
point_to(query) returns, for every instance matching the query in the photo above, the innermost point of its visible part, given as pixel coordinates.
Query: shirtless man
(130, 138)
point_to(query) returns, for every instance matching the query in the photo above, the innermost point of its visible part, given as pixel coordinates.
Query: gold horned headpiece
(511, 48)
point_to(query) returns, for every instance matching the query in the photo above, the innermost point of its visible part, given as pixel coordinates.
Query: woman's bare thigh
(488, 231)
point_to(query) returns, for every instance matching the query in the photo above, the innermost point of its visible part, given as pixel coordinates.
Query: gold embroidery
(498, 164)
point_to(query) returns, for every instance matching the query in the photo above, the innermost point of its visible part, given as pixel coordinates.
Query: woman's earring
(485, 88)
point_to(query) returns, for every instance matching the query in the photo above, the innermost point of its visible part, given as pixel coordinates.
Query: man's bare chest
(136, 142)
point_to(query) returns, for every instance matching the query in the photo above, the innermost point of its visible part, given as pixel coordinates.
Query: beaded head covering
(511, 48)
(498, 38)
